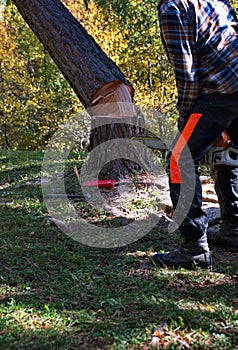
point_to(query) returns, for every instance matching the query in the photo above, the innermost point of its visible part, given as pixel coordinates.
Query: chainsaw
(223, 152)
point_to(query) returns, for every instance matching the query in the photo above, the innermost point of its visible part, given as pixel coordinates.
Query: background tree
(35, 97)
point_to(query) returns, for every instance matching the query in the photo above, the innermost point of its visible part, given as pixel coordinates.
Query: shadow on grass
(60, 293)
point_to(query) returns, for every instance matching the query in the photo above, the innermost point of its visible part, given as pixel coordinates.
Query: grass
(59, 294)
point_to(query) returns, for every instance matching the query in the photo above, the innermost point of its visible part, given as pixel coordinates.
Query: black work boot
(226, 237)
(189, 255)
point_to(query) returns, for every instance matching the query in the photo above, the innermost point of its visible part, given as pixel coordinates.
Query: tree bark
(82, 62)
(95, 78)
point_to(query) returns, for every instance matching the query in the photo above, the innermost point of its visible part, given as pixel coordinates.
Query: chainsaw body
(222, 152)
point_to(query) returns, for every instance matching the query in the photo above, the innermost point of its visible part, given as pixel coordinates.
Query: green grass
(59, 294)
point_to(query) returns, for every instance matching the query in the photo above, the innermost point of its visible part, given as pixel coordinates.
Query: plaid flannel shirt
(201, 41)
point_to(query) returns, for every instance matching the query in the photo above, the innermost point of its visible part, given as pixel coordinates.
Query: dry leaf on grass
(163, 337)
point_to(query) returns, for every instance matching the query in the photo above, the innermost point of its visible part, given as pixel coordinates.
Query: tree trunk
(95, 78)
(86, 67)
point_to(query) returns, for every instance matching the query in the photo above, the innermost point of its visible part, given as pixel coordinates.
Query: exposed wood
(115, 117)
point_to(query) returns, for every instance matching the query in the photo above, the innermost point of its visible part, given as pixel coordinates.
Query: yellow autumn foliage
(36, 99)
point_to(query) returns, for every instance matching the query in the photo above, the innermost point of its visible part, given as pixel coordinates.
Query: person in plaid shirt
(200, 38)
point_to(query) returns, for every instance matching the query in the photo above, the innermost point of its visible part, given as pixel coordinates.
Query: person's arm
(179, 38)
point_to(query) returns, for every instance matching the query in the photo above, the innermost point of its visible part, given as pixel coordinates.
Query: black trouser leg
(226, 186)
(211, 115)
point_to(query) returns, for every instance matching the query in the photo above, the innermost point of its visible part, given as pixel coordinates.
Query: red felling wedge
(100, 183)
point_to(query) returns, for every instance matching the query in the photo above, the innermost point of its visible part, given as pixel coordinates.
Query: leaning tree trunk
(95, 78)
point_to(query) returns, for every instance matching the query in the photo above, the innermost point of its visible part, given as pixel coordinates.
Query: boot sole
(193, 265)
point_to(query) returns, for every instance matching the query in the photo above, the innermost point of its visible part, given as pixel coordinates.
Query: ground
(57, 293)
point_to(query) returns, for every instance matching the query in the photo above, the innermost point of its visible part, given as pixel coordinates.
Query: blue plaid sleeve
(179, 39)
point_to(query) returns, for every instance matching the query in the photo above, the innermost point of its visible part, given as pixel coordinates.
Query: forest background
(36, 99)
